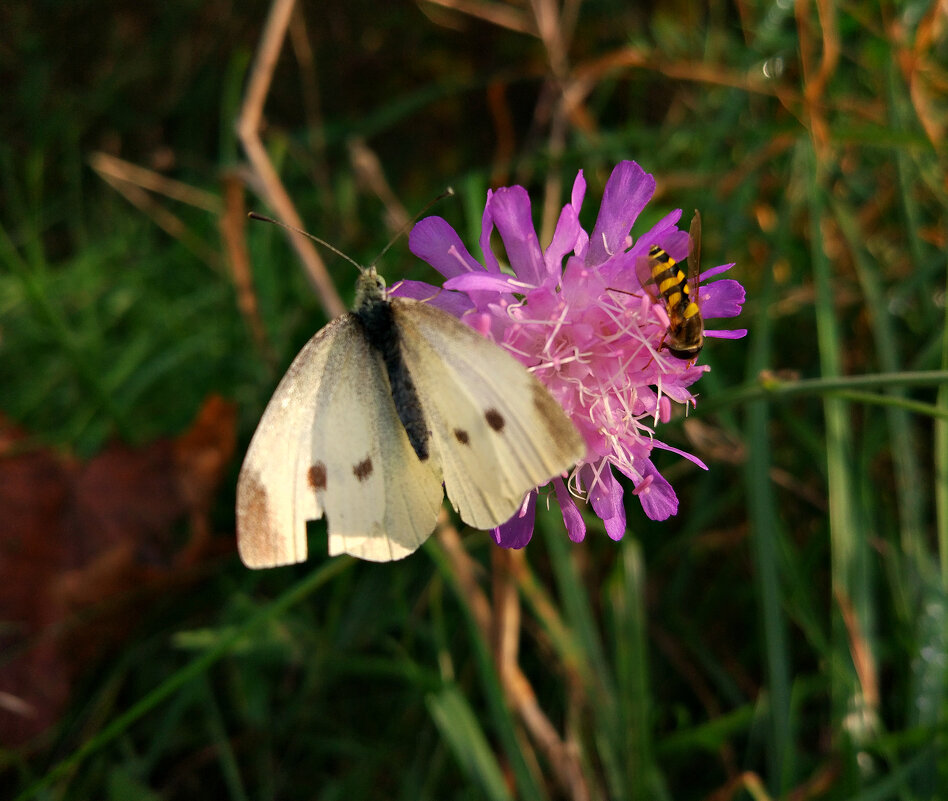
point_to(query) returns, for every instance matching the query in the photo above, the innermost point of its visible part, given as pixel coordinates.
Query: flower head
(577, 315)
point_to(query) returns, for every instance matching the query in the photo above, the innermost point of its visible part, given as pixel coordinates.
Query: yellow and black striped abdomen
(672, 283)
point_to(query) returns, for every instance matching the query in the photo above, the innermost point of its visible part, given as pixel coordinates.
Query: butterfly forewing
(496, 430)
(380, 500)
(274, 499)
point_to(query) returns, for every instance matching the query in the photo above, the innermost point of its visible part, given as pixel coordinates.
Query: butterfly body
(375, 312)
(376, 411)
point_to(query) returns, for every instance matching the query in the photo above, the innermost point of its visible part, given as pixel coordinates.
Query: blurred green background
(784, 636)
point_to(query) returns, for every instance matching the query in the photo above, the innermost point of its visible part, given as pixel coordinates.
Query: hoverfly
(685, 335)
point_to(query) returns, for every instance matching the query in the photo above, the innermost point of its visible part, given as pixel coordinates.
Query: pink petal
(615, 525)
(564, 239)
(675, 243)
(659, 231)
(579, 191)
(713, 271)
(487, 228)
(510, 208)
(572, 517)
(722, 298)
(453, 303)
(435, 241)
(689, 456)
(737, 333)
(482, 282)
(656, 495)
(517, 531)
(627, 191)
(605, 495)
(568, 234)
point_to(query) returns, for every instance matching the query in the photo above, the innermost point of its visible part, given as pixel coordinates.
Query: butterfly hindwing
(496, 431)
(381, 501)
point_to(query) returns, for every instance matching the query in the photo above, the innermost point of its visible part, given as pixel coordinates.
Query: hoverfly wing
(694, 254)
(643, 270)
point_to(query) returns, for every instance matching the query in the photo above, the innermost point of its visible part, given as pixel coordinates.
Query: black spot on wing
(494, 419)
(462, 436)
(363, 469)
(316, 476)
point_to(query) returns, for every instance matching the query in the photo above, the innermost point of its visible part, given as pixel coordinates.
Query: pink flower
(576, 314)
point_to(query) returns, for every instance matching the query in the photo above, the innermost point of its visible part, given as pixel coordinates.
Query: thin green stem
(873, 399)
(941, 458)
(770, 387)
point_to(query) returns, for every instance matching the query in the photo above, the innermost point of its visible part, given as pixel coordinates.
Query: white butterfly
(376, 410)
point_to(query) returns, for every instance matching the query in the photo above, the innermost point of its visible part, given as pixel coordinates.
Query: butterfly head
(370, 288)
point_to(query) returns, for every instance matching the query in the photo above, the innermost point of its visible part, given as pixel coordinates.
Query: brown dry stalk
(562, 756)
(131, 182)
(312, 109)
(556, 41)
(505, 634)
(593, 70)
(504, 132)
(233, 228)
(926, 80)
(370, 174)
(818, 785)
(499, 14)
(265, 179)
(748, 781)
(547, 19)
(128, 173)
(863, 661)
(816, 76)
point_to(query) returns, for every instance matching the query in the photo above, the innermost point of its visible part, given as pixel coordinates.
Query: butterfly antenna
(449, 192)
(254, 216)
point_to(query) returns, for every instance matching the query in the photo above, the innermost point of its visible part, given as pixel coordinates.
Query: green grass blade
(600, 682)
(625, 595)
(908, 484)
(504, 726)
(461, 731)
(765, 545)
(852, 582)
(219, 740)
